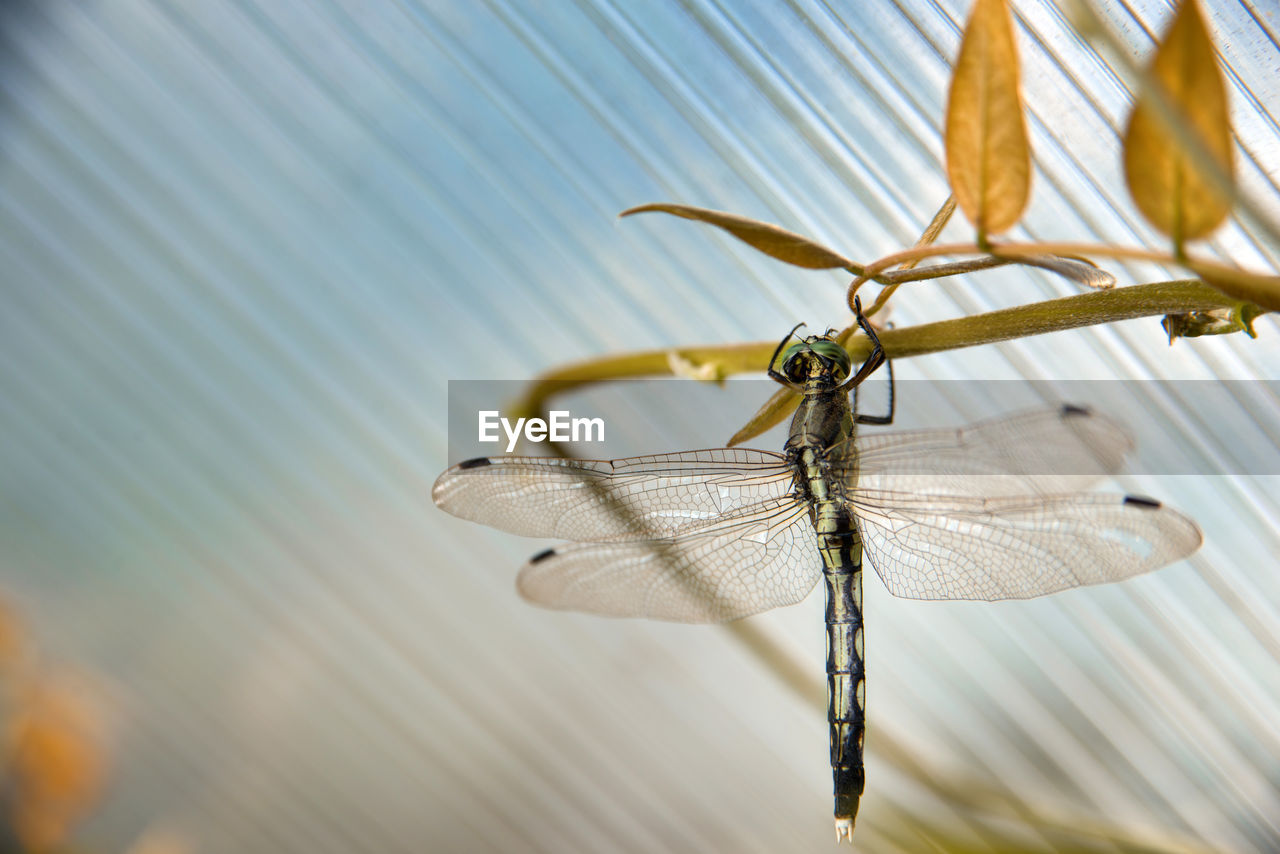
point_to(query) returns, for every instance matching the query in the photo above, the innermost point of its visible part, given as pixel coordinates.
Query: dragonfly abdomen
(825, 460)
(842, 572)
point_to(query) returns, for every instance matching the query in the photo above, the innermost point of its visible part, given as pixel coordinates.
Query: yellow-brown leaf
(1248, 287)
(776, 408)
(770, 239)
(988, 156)
(1163, 179)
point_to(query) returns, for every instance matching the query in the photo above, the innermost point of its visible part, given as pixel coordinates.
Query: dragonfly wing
(1047, 451)
(1016, 547)
(596, 500)
(756, 559)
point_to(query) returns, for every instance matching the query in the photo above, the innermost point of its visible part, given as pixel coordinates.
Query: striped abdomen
(841, 551)
(820, 445)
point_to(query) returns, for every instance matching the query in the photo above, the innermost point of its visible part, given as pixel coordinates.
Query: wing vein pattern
(990, 511)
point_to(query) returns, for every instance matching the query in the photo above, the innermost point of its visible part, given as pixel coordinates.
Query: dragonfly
(996, 510)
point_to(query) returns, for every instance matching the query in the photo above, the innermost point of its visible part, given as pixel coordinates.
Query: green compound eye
(789, 354)
(793, 362)
(793, 365)
(835, 354)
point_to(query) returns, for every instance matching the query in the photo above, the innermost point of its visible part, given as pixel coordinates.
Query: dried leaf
(770, 239)
(1170, 191)
(988, 156)
(776, 408)
(1079, 270)
(1263, 291)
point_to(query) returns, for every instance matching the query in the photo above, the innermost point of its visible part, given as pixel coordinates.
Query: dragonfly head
(816, 356)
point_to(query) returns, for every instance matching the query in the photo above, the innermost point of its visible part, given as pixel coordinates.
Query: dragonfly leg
(873, 361)
(876, 359)
(774, 373)
(876, 419)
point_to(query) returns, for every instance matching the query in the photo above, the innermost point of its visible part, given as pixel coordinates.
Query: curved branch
(1002, 325)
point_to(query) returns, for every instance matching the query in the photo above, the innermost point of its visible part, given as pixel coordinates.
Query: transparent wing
(1015, 547)
(1041, 451)
(757, 558)
(596, 500)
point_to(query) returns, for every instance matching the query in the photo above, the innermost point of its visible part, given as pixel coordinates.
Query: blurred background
(245, 245)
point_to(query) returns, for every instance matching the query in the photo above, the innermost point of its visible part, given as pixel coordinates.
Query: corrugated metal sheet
(244, 246)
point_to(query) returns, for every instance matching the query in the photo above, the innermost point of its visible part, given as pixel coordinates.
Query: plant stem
(1002, 325)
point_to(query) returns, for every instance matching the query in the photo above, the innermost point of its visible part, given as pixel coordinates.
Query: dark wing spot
(542, 555)
(476, 463)
(1072, 409)
(1142, 501)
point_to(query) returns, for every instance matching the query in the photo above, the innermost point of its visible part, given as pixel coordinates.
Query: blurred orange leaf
(1166, 185)
(988, 156)
(56, 761)
(12, 642)
(770, 239)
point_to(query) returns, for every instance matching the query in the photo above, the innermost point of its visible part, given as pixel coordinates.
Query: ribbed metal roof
(244, 246)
